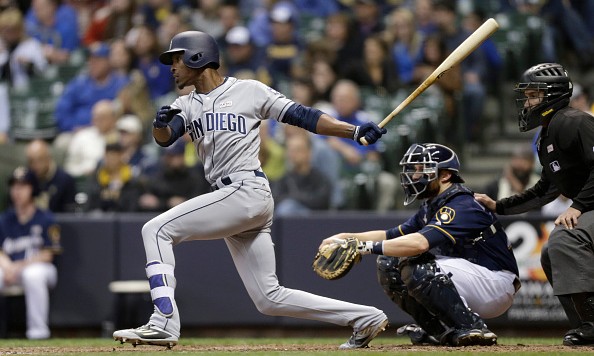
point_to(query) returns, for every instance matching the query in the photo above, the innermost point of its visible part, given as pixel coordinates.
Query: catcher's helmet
(199, 50)
(421, 164)
(555, 88)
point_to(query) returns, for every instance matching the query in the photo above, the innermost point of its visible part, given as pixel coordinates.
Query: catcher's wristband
(375, 247)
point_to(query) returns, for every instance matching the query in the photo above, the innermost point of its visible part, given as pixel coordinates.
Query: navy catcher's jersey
(457, 225)
(21, 241)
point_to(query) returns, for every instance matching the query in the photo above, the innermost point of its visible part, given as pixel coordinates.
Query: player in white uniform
(222, 116)
(451, 256)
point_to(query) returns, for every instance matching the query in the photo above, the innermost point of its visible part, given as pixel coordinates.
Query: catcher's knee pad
(162, 283)
(437, 293)
(389, 278)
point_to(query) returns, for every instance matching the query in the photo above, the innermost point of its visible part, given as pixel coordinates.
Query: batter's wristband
(356, 133)
(378, 248)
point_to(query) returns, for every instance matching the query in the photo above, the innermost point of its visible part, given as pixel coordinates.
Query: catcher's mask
(421, 164)
(542, 90)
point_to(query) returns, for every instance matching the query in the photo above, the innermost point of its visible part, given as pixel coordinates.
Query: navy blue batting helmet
(421, 164)
(198, 50)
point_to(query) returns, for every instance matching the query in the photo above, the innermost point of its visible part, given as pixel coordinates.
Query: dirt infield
(313, 348)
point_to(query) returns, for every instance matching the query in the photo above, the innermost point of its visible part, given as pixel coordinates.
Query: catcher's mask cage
(421, 164)
(554, 89)
(198, 50)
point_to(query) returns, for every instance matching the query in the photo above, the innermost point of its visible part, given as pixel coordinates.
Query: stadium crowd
(80, 82)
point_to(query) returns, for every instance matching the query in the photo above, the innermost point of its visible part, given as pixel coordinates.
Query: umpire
(566, 151)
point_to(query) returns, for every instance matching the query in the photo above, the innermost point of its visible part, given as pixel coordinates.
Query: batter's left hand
(164, 115)
(370, 131)
(569, 218)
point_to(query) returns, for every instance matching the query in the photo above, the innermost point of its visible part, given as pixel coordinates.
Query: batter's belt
(235, 177)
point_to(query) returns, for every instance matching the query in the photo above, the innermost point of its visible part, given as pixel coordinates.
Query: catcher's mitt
(335, 260)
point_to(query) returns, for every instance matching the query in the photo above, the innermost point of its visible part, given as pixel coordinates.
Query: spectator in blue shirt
(361, 162)
(56, 26)
(146, 51)
(406, 43)
(73, 109)
(260, 21)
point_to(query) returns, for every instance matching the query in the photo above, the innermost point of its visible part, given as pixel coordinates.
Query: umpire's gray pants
(568, 257)
(566, 261)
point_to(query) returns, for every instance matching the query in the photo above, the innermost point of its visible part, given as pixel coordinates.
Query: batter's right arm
(330, 126)
(323, 124)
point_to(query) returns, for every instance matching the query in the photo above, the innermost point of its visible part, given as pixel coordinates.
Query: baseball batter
(451, 263)
(222, 116)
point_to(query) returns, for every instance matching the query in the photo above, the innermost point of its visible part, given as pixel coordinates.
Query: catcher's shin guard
(391, 281)
(162, 283)
(437, 293)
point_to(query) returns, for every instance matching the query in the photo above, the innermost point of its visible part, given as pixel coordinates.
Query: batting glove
(164, 115)
(370, 131)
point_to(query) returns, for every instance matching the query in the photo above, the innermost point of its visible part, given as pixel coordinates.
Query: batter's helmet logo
(445, 215)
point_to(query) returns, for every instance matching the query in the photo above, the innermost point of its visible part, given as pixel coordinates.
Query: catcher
(449, 266)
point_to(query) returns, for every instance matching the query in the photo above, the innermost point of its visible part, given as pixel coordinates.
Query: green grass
(281, 346)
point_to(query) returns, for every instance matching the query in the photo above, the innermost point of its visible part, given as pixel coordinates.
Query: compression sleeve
(302, 116)
(178, 128)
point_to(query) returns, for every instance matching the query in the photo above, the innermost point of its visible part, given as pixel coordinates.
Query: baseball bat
(462, 51)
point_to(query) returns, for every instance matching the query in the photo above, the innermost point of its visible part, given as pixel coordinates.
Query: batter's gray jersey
(224, 124)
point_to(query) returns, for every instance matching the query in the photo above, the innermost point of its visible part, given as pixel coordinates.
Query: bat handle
(381, 124)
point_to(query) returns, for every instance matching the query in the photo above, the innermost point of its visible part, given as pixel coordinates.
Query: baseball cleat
(418, 336)
(582, 336)
(473, 337)
(361, 338)
(146, 335)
